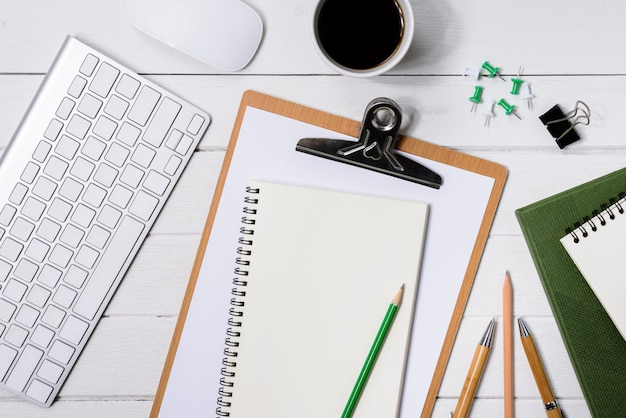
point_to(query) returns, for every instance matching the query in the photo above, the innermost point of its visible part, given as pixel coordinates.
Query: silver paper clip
(375, 149)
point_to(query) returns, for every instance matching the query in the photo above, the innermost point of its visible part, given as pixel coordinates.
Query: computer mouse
(222, 33)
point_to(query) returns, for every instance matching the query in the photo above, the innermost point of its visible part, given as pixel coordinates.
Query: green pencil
(373, 354)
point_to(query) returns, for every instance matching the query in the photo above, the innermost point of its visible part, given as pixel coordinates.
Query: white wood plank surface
(569, 50)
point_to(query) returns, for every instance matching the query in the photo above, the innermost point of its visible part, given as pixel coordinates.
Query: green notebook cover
(595, 347)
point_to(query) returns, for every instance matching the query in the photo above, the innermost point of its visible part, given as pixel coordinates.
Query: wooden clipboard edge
(351, 128)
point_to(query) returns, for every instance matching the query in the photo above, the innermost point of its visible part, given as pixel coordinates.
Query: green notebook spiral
(595, 346)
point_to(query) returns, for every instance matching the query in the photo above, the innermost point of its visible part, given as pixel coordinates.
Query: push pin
(508, 108)
(527, 95)
(475, 99)
(492, 71)
(561, 125)
(489, 113)
(517, 82)
(472, 72)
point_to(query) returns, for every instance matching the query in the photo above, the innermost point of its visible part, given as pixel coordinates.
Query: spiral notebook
(598, 248)
(316, 270)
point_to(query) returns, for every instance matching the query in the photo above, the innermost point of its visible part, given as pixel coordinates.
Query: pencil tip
(523, 329)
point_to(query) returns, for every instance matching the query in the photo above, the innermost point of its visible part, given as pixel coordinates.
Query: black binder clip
(375, 149)
(561, 125)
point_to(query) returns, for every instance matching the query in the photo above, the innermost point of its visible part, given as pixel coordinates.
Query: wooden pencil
(507, 319)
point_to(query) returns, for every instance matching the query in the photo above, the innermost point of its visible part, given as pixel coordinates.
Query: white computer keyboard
(81, 183)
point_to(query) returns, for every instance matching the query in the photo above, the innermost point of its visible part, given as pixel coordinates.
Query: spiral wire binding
(598, 218)
(237, 302)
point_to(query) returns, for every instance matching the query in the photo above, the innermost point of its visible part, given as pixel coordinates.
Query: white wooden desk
(569, 50)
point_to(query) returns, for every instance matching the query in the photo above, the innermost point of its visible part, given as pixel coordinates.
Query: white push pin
(527, 95)
(489, 113)
(472, 72)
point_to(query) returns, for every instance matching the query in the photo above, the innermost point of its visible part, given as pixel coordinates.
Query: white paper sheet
(266, 150)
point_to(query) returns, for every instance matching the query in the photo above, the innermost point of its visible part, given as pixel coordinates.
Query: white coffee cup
(362, 38)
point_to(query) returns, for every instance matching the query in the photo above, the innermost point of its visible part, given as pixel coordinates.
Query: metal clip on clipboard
(375, 149)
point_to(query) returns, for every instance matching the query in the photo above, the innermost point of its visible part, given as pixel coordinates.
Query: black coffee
(360, 34)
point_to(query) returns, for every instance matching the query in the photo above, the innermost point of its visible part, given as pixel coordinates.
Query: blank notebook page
(323, 269)
(601, 258)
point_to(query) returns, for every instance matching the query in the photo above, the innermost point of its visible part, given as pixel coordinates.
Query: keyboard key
(16, 335)
(24, 368)
(53, 316)
(26, 270)
(37, 250)
(6, 310)
(109, 216)
(49, 276)
(144, 105)
(128, 134)
(97, 237)
(54, 128)
(83, 215)
(89, 106)
(15, 290)
(39, 391)
(143, 206)
(6, 215)
(10, 249)
(7, 355)
(5, 269)
(184, 145)
(44, 188)
(38, 296)
(42, 151)
(105, 175)
(61, 352)
(94, 195)
(74, 329)
(131, 176)
(116, 107)
(71, 236)
(82, 169)
(48, 230)
(42, 336)
(59, 209)
(172, 165)
(33, 208)
(105, 128)
(56, 168)
(18, 194)
(108, 268)
(89, 65)
(87, 256)
(77, 87)
(27, 316)
(30, 172)
(75, 276)
(143, 155)
(78, 126)
(104, 79)
(195, 124)
(71, 189)
(61, 256)
(120, 196)
(173, 139)
(50, 371)
(156, 182)
(65, 108)
(64, 297)
(127, 86)
(117, 154)
(93, 148)
(162, 121)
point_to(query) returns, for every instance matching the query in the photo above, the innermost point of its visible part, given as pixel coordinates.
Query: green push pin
(475, 99)
(517, 83)
(491, 70)
(508, 108)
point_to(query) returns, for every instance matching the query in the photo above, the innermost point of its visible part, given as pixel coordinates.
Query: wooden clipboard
(340, 125)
